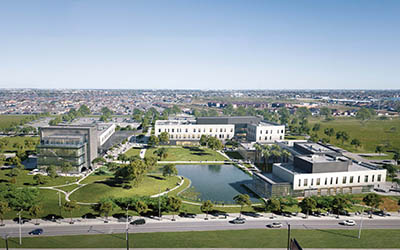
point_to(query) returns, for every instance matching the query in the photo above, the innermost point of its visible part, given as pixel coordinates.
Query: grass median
(253, 238)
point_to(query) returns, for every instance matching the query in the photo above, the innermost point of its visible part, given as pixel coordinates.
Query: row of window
(266, 131)
(195, 130)
(345, 180)
(270, 138)
(184, 136)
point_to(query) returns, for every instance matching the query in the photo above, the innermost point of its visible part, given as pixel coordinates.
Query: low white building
(105, 131)
(188, 130)
(265, 132)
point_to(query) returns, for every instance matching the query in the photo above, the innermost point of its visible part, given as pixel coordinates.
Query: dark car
(138, 222)
(238, 221)
(218, 213)
(252, 214)
(37, 231)
(187, 215)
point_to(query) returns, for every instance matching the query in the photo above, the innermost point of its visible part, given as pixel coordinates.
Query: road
(195, 225)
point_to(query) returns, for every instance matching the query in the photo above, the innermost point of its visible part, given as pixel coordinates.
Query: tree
(169, 170)
(355, 142)
(396, 156)
(105, 207)
(203, 140)
(66, 167)
(164, 137)
(342, 135)
(4, 208)
(173, 205)
(153, 141)
(242, 200)
(316, 127)
(150, 161)
(206, 207)
(284, 115)
(379, 149)
(39, 179)
(303, 113)
(372, 200)
(329, 131)
(214, 143)
(308, 204)
(141, 207)
(35, 212)
(14, 172)
(339, 203)
(274, 205)
(70, 206)
(51, 171)
(364, 114)
(162, 153)
(327, 112)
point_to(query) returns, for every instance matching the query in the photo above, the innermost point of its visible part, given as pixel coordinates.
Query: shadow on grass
(328, 231)
(156, 177)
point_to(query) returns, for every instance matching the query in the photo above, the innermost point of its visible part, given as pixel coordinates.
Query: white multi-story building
(188, 130)
(265, 132)
(317, 170)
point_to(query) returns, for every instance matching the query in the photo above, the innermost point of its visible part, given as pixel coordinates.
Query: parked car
(138, 222)
(187, 215)
(275, 225)
(252, 214)
(349, 223)
(37, 231)
(218, 213)
(238, 221)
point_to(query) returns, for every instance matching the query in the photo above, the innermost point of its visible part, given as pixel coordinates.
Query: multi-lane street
(82, 228)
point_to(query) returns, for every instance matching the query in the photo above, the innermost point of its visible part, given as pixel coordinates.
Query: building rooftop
(313, 147)
(175, 122)
(322, 158)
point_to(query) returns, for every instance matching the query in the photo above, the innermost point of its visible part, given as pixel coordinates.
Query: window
(344, 179)
(280, 137)
(260, 138)
(159, 130)
(318, 181)
(270, 138)
(373, 178)
(210, 129)
(337, 180)
(173, 130)
(260, 131)
(379, 177)
(299, 182)
(326, 181)
(312, 182)
(282, 131)
(194, 130)
(220, 130)
(359, 179)
(351, 179)
(331, 180)
(186, 130)
(266, 131)
(266, 138)
(366, 178)
(305, 182)
(231, 129)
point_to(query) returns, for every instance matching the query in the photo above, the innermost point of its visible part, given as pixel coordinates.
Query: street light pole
(6, 241)
(288, 237)
(361, 221)
(127, 229)
(159, 205)
(20, 229)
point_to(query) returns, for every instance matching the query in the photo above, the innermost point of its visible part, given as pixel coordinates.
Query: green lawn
(11, 140)
(8, 120)
(253, 238)
(133, 152)
(370, 134)
(23, 179)
(150, 185)
(69, 188)
(189, 154)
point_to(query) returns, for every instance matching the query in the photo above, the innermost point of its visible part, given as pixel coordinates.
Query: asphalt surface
(198, 225)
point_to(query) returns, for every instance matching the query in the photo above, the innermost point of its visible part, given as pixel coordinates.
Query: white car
(275, 225)
(349, 223)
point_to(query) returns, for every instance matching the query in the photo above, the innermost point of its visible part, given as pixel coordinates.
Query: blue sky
(200, 44)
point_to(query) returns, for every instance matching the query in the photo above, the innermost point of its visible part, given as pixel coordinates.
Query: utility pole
(20, 229)
(59, 202)
(361, 221)
(288, 237)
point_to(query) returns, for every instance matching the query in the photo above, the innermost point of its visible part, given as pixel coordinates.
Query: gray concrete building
(76, 145)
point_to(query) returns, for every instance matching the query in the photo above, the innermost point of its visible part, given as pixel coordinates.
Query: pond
(218, 183)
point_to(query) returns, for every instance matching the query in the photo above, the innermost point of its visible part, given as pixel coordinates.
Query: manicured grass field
(23, 179)
(370, 134)
(150, 185)
(21, 140)
(189, 154)
(253, 238)
(133, 152)
(7, 120)
(234, 155)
